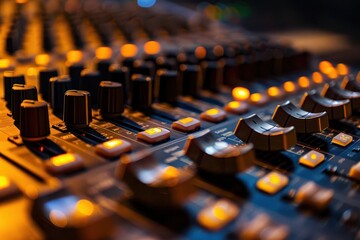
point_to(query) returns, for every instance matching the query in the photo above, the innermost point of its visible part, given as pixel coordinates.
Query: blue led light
(146, 3)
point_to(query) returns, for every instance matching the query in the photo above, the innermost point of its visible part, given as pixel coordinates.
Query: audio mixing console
(121, 122)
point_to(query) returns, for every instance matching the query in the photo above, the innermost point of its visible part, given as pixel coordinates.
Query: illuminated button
(274, 92)
(258, 99)
(218, 214)
(188, 124)
(272, 182)
(289, 87)
(325, 67)
(154, 135)
(128, 50)
(317, 78)
(152, 47)
(7, 187)
(213, 115)
(74, 56)
(354, 171)
(304, 82)
(342, 139)
(240, 93)
(236, 107)
(310, 194)
(42, 59)
(200, 52)
(113, 148)
(103, 53)
(342, 69)
(64, 163)
(312, 159)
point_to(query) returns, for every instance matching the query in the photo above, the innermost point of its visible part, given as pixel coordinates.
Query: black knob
(333, 91)
(19, 93)
(121, 75)
(90, 81)
(102, 66)
(212, 76)
(74, 71)
(44, 82)
(166, 63)
(141, 97)
(350, 83)
(77, 109)
(58, 87)
(191, 80)
(230, 74)
(34, 120)
(11, 78)
(166, 86)
(144, 68)
(111, 99)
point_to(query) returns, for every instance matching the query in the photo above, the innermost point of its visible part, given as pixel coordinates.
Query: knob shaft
(11, 78)
(77, 109)
(58, 87)
(44, 82)
(74, 71)
(141, 97)
(166, 86)
(111, 99)
(19, 93)
(191, 80)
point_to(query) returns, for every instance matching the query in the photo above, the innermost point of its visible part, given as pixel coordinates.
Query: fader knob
(58, 87)
(19, 93)
(34, 120)
(77, 109)
(166, 86)
(190, 78)
(350, 83)
(111, 99)
(212, 76)
(11, 78)
(90, 81)
(141, 97)
(333, 91)
(44, 82)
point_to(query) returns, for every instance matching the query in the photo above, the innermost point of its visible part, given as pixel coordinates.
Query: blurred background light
(146, 3)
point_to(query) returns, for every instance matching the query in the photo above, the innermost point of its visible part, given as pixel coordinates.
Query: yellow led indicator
(234, 104)
(84, 207)
(304, 82)
(312, 159)
(212, 111)
(332, 73)
(4, 63)
(63, 159)
(42, 59)
(200, 52)
(272, 182)
(129, 50)
(74, 56)
(317, 78)
(186, 120)
(313, 156)
(240, 93)
(170, 173)
(325, 67)
(273, 91)
(342, 69)
(103, 53)
(4, 182)
(153, 131)
(256, 97)
(289, 87)
(113, 143)
(152, 47)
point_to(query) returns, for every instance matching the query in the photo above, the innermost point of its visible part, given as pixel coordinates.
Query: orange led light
(152, 47)
(74, 56)
(342, 69)
(333, 74)
(289, 87)
(240, 93)
(186, 120)
(129, 50)
(200, 52)
(317, 78)
(256, 97)
(212, 111)
(4, 182)
(84, 207)
(63, 159)
(103, 53)
(234, 104)
(21, 1)
(170, 173)
(325, 67)
(42, 59)
(273, 91)
(304, 82)
(4, 63)
(153, 131)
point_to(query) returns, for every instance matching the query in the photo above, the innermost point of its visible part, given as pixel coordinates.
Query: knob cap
(90, 81)
(34, 120)
(121, 75)
(141, 97)
(19, 93)
(166, 86)
(11, 78)
(190, 77)
(58, 87)
(77, 109)
(44, 82)
(212, 76)
(111, 99)
(218, 157)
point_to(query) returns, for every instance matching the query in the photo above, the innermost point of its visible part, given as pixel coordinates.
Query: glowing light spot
(63, 159)
(317, 78)
(21, 1)
(113, 143)
(146, 3)
(170, 173)
(200, 52)
(289, 87)
(234, 104)
(240, 93)
(256, 97)
(186, 120)
(4, 63)
(220, 213)
(85, 207)
(31, 71)
(342, 69)
(333, 74)
(74, 56)
(313, 156)
(212, 111)
(273, 91)
(58, 218)
(153, 131)
(42, 59)
(103, 53)
(4, 182)
(304, 82)
(152, 47)
(325, 67)
(129, 50)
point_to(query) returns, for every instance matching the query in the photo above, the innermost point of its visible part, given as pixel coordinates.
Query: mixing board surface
(121, 122)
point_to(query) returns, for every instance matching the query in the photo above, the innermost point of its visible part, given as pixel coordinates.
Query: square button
(236, 107)
(113, 148)
(187, 124)
(218, 214)
(272, 182)
(214, 115)
(314, 196)
(312, 159)
(342, 139)
(64, 163)
(7, 187)
(154, 135)
(355, 171)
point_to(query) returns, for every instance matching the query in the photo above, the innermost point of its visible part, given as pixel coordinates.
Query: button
(218, 214)
(312, 195)
(7, 187)
(191, 80)
(145, 176)
(350, 83)
(333, 91)
(240, 93)
(288, 114)
(264, 135)
(342, 139)
(154, 135)
(111, 99)
(113, 148)
(187, 124)
(141, 94)
(336, 109)
(258, 99)
(275, 92)
(166, 85)
(214, 115)
(90, 81)
(64, 163)
(236, 107)
(19, 93)
(34, 120)
(77, 109)
(212, 75)
(312, 159)
(10, 78)
(272, 182)
(58, 87)
(355, 171)
(44, 82)
(218, 157)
